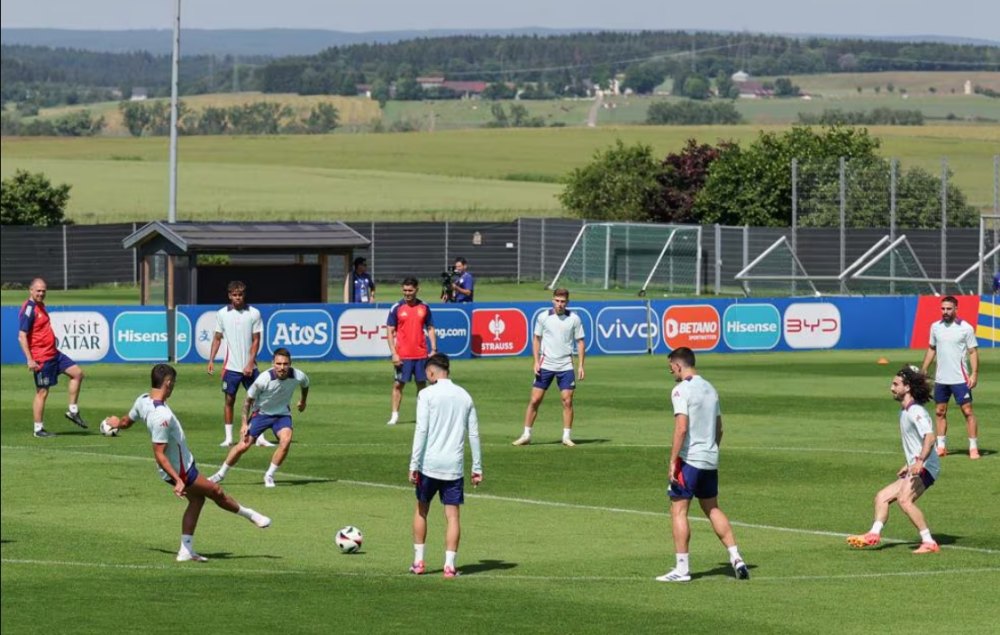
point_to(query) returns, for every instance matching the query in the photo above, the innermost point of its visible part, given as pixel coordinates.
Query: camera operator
(461, 285)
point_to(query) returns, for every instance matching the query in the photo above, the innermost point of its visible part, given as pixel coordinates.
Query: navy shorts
(232, 380)
(260, 422)
(692, 482)
(189, 478)
(942, 392)
(48, 375)
(450, 492)
(411, 368)
(565, 379)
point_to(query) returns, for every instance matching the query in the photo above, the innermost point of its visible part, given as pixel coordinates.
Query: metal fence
(529, 250)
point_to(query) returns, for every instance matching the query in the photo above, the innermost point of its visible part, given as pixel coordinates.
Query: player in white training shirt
(445, 415)
(175, 461)
(268, 400)
(694, 464)
(556, 332)
(241, 326)
(920, 471)
(951, 341)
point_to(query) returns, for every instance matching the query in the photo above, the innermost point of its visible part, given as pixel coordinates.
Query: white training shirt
(272, 395)
(951, 343)
(697, 399)
(238, 328)
(445, 414)
(559, 334)
(164, 427)
(914, 425)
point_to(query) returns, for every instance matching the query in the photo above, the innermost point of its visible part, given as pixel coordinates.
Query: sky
(962, 18)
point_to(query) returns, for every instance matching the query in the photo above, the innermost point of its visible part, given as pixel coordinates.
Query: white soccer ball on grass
(107, 429)
(349, 539)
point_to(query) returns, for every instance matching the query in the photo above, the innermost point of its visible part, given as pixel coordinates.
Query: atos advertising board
(627, 330)
(363, 333)
(751, 327)
(452, 327)
(306, 333)
(812, 325)
(82, 335)
(141, 336)
(499, 332)
(695, 326)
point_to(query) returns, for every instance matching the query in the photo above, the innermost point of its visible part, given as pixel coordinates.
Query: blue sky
(966, 18)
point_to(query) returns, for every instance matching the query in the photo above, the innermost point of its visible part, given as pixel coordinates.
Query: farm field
(446, 175)
(87, 526)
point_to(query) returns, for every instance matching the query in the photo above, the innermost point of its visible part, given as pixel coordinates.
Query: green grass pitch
(556, 540)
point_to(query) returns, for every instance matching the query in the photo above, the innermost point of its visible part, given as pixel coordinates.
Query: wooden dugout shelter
(304, 279)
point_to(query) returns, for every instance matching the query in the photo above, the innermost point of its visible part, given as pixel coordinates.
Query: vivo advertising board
(306, 333)
(627, 330)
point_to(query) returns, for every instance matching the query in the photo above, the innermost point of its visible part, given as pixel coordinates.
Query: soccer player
(359, 288)
(694, 464)
(45, 361)
(909, 387)
(445, 415)
(552, 348)
(176, 463)
(241, 326)
(409, 319)
(272, 393)
(951, 341)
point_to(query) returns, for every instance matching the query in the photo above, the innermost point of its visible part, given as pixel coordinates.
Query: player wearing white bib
(920, 471)
(176, 463)
(694, 464)
(268, 400)
(951, 341)
(241, 326)
(556, 332)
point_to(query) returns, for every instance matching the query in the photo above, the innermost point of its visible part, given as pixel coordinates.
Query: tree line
(152, 118)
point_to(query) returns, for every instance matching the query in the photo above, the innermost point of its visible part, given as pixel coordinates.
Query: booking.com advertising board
(341, 332)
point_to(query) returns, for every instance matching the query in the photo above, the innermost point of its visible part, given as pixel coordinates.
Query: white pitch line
(207, 568)
(523, 501)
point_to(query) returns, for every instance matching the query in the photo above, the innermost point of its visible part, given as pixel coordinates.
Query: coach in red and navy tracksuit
(38, 342)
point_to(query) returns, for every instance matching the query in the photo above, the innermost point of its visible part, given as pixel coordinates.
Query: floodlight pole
(172, 205)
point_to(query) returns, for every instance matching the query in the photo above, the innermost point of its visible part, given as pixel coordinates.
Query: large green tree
(30, 199)
(619, 184)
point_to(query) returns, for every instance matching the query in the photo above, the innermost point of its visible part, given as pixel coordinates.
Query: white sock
(75, 409)
(876, 527)
(229, 432)
(942, 442)
(734, 554)
(39, 426)
(418, 553)
(682, 564)
(187, 543)
(271, 470)
(224, 469)
(973, 443)
(527, 432)
(449, 558)
(395, 416)
(566, 433)
(245, 512)
(925, 535)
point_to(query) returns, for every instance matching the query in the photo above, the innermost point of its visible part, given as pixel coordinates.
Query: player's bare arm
(680, 431)
(22, 339)
(252, 358)
(581, 351)
(391, 340)
(160, 453)
(536, 346)
(928, 358)
(432, 334)
(302, 399)
(973, 368)
(216, 342)
(718, 430)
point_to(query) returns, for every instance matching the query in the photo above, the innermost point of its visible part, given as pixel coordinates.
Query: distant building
(138, 94)
(754, 90)
(468, 90)
(968, 87)
(430, 82)
(740, 77)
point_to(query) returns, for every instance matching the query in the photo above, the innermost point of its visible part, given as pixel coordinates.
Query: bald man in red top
(38, 343)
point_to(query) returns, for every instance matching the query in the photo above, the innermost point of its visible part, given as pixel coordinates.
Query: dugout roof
(185, 239)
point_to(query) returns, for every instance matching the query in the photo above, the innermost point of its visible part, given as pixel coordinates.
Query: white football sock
(229, 432)
(75, 409)
(876, 527)
(449, 558)
(925, 535)
(245, 512)
(734, 554)
(942, 442)
(224, 469)
(682, 564)
(187, 542)
(973, 443)
(566, 433)
(39, 426)
(527, 432)
(418, 553)
(271, 470)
